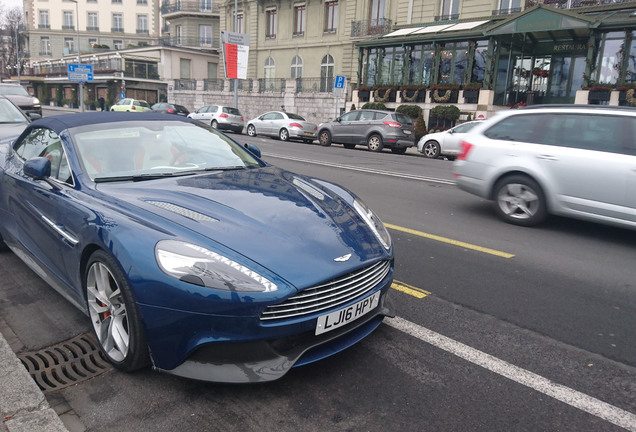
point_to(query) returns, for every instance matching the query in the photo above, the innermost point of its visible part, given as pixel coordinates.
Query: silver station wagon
(575, 161)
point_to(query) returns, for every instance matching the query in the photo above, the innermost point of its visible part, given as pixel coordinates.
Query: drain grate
(65, 364)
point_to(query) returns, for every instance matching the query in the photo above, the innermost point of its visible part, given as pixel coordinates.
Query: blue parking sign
(340, 82)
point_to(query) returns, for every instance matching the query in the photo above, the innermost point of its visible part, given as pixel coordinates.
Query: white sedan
(445, 143)
(283, 125)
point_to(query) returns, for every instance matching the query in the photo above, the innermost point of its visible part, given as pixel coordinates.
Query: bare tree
(11, 27)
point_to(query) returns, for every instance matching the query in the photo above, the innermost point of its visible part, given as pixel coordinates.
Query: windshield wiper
(143, 177)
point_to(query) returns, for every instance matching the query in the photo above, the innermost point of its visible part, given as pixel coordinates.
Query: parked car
(445, 143)
(220, 117)
(167, 108)
(189, 252)
(575, 161)
(283, 125)
(12, 120)
(374, 128)
(22, 99)
(131, 105)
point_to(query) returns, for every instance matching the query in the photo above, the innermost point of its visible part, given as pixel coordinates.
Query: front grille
(331, 294)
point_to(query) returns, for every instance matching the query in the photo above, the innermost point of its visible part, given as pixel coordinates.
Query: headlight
(374, 223)
(200, 266)
(36, 101)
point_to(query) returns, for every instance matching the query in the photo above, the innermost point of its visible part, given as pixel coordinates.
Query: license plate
(344, 316)
(309, 133)
(407, 132)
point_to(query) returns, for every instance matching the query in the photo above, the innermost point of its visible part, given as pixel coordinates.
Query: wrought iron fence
(314, 85)
(213, 42)
(190, 6)
(213, 84)
(371, 27)
(271, 85)
(572, 4)
(185, 84)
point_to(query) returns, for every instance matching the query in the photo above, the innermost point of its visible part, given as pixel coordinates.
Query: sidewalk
(22, 405)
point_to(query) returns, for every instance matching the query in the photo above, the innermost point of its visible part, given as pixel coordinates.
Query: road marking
(366, 170)
(409, 289)
(569, 396)
(450, 241)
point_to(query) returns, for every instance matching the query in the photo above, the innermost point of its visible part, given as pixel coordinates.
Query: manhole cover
(65, 364)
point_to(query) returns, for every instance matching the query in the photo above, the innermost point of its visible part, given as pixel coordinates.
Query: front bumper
(265, 352)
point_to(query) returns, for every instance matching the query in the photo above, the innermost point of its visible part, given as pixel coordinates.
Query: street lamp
(79, 60)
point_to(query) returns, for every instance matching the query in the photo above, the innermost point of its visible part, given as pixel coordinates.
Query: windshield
(137, 150)
(10, 114)
(295, 117)
(13, 90)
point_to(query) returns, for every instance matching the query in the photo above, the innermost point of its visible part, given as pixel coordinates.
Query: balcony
(448, 17)
(209, 43)
(373, 27)
(192, 6)
(506, 11)
(572, 4)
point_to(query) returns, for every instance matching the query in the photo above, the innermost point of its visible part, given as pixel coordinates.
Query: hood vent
(190, 214)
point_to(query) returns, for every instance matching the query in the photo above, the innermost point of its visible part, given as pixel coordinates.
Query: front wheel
(374, 142)
(519, 200)
(324, 138)
(431, 149)
(113, 313)
(251, 130)
(283, 134)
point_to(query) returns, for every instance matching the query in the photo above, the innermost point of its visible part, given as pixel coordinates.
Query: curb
(23, 406)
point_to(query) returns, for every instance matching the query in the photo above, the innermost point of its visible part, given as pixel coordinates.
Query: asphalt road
(498, 327)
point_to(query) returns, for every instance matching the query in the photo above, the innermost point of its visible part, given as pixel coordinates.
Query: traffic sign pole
(338, 90)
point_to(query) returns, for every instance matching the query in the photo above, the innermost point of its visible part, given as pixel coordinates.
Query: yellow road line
(450, 241)
(409, 289)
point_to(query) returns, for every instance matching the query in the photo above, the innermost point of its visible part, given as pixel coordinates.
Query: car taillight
(392, 124)
(223, 115)
(134, 108)
(171, 111)
(296, 125)
(242, 118)
(466, 147)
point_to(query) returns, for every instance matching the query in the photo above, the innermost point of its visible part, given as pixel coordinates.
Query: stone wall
(314, 107)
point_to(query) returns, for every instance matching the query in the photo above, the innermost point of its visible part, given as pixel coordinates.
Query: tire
(251, 130)
(519, 200)
(431, 149)
(399, 150)
(114, 315)
(375, 144)
(214, 124)
(283, 134)
(324, 138)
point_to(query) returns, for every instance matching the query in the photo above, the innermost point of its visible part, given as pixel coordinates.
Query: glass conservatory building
(544, 54)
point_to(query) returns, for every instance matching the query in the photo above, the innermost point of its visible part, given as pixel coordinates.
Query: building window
(326, 73)
(271, 23)
(239, 23)
(142, 24)
(449, 10)
(270, 68)
(116, 1)
(184, 68)
(205, 5)
(610, 56)
(118, 44)
(93, 22)
(92, 42)
(453, 60)
(205, 35)
(69, 44)
(212, 70)
(45, 45)
(44, 19)
(118, 23)
(68, 21)
(509, 6)
(177, 34)
(376, 13)
(142, 2)
(331, 16)
(300, 16)
(297, 67)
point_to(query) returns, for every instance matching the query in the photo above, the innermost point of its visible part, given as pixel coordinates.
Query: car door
(268, 123)
(587, 173)
(343, 129)
(450, 142)
(38, 208)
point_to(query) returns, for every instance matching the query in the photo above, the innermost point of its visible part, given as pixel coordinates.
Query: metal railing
(213, 84)
(214, 42)
(572, 4)
(185, 84)
(271, 85)
(506, 11)
(372, 27)
(190, 6)
(314, 85)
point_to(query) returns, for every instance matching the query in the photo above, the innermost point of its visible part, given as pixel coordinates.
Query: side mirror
(39, 168)
(253, 149)
(34, 116)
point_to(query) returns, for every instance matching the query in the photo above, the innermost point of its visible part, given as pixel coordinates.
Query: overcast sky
(10, 4)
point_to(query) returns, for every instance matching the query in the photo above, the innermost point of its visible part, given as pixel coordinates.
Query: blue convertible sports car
(187, 251)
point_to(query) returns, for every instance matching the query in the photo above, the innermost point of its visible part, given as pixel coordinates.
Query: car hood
(10, 131)
(291, 225)
(20, 100)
